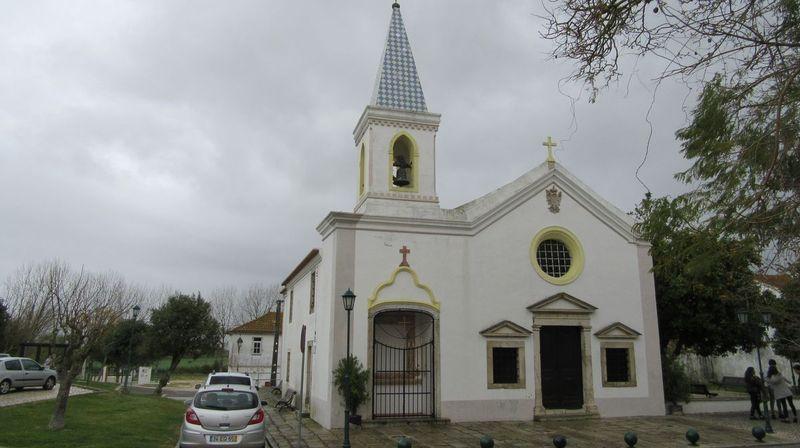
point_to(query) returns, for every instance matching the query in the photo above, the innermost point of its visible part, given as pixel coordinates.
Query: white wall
(244, 360)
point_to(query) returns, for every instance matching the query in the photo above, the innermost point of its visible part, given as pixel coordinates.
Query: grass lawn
(99, 420)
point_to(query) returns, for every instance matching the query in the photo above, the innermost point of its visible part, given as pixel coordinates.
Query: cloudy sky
(198, 143)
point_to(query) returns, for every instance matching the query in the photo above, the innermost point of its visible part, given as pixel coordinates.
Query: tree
(85, 307)
(126, 336)
(4, 318)
(359, 379)
(701, 281)
(181, 327)
(29, 306)
(744, 136)
(786, 320)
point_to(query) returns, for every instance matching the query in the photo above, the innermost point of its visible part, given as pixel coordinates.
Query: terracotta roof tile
(264, 324)
(775, 280)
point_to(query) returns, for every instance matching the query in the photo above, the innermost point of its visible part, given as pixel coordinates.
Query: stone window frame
(519, 344)
(629, 345)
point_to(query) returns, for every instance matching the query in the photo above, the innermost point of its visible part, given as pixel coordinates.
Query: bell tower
(396, 136)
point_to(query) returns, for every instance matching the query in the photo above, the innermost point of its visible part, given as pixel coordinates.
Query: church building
(533, 301)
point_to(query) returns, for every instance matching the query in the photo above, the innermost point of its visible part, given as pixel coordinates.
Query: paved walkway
(37, 394)
(717, 430)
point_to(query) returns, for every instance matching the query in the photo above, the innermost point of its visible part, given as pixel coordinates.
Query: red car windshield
(229, 379)
(232, 400)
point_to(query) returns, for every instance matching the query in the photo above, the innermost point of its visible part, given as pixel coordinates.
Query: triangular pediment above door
(562, 303)
(617, 330)
(505, 329)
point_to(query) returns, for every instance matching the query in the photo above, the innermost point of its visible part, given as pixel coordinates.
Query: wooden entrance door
(562, 374)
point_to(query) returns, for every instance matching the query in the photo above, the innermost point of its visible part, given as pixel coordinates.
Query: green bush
(359, 377)
(677, 386)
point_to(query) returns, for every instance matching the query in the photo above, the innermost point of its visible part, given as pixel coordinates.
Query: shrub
(359, 377)
(677, 386)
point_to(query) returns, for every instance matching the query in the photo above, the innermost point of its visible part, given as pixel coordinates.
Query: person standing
(783, 395)
(770, 392)
(753, 384)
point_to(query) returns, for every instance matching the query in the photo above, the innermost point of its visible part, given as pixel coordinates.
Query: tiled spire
(397, 85)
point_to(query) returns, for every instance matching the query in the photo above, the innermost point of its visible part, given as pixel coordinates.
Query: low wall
(716, 406)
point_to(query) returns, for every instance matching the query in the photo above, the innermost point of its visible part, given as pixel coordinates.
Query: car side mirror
(187, 402)
(197, 386)
(264, 403)
(258, 388)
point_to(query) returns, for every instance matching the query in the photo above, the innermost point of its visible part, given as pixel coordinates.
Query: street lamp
(348, 300)
(744, 317)
(136, 309)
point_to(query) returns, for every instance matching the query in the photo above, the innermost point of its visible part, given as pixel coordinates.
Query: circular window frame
(575, 250)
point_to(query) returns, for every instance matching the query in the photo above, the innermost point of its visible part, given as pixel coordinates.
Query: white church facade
(535, 300)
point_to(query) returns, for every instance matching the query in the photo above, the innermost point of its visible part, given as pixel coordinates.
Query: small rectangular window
(313, 292)
(617, 365)
(288, 365)
(291, 304)
(505, 365)
(256, 346)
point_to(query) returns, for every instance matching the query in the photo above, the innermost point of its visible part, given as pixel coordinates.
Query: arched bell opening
(403, 364)
(403, 169)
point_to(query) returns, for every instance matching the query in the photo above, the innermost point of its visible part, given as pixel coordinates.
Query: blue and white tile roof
(397, 85)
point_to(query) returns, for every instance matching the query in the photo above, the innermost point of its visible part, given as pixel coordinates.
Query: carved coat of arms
(553, 199)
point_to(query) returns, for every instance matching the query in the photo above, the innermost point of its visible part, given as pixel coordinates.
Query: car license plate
(223, 438)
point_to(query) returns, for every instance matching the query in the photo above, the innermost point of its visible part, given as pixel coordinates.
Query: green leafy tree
(701, 281)
(126, 337)
(744, 137)
(359, 378)
(786, 320)
(182, 327)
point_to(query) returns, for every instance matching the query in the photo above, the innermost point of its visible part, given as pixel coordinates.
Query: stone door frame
(563, 310)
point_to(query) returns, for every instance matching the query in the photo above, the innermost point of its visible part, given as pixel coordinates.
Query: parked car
(231, 378)
(224, 415)
(4, 355)
(20, 373)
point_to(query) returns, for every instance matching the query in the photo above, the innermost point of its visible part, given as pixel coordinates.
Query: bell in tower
(401, 176)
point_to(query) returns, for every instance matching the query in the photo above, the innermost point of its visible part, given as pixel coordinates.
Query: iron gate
(403, 382)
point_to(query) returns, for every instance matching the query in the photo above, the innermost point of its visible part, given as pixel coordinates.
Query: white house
(533, 301)
(250, 347)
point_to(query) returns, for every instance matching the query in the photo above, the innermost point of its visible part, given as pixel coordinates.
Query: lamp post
(744, 317)
(238, 350)
(273, 374)
(136, 310)
(348, 299)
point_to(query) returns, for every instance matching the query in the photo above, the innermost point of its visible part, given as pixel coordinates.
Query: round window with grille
(553, 257)
(556, 255)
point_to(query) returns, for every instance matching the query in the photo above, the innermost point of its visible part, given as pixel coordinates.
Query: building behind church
(535, 300)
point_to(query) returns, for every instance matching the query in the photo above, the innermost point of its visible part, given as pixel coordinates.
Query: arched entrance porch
(404, 362)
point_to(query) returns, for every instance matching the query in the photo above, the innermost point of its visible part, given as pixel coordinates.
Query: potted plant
(359, 377)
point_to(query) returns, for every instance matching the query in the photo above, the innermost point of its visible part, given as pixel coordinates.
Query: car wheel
(48, 385)
(5, 387)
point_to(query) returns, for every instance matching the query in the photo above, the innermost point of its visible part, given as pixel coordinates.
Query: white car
(228, 378)
(20, 373)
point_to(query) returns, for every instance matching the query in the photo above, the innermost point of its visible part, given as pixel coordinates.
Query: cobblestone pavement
(717, 430)
(36, 394)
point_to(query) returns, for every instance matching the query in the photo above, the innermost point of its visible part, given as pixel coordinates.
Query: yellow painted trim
(575, 250)
(414, 187)
(374, 299)
(361, 173)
